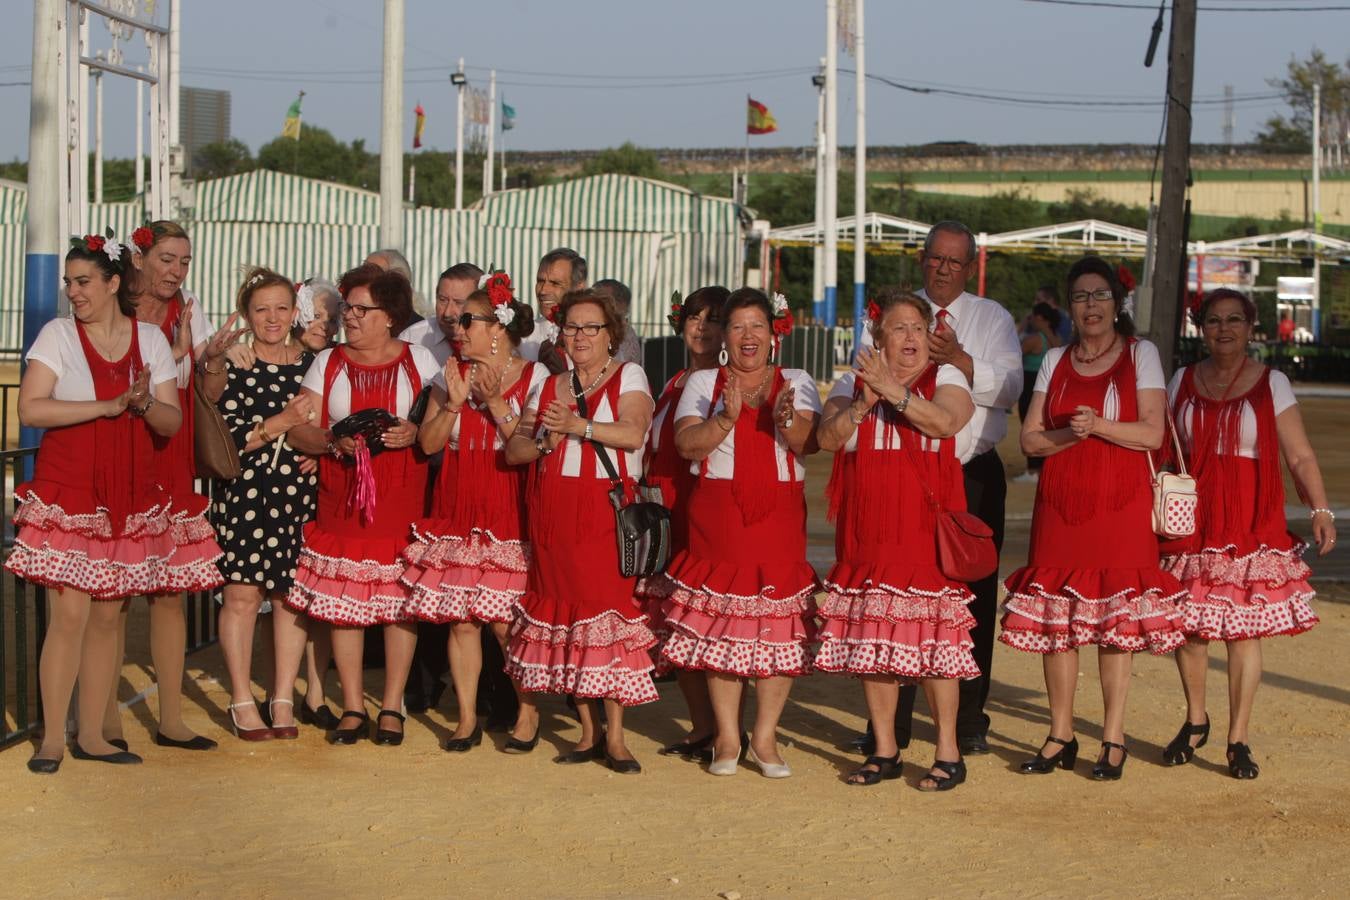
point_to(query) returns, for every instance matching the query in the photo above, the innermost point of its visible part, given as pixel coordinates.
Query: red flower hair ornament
(500, 295)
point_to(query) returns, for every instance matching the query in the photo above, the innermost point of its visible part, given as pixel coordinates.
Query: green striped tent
(654, 237)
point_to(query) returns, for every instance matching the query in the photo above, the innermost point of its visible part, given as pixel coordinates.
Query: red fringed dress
(193, 567)
(674, 475)
(741, 595)
(579, 630)
(349, 568)
(888, 609)
(1093, 576)
(94, 518)
(1242, 570)
(468, 561)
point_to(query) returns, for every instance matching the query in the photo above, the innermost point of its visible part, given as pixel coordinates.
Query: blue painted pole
(831, 310)
(859, 300)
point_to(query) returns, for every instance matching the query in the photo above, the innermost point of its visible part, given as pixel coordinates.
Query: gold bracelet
(260, 432)
(717, 417)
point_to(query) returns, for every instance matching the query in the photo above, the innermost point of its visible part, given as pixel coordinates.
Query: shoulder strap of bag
(599, 447)
(1170, 427)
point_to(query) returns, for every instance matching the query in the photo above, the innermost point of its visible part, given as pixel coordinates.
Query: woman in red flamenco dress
(698, 322)
(93, 527)
(890, 616)
(741, 595)
(467, 563)
(1242, 570)
(164, 256)
(349, 569)
(1092, 576)
(579, 629)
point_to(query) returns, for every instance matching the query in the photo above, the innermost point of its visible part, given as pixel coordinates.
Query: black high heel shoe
(956, 774)
(322, 717)
(1181, 750)
(1240, 762)
(1103, 770)
(465, 744)
(385, 736)
(1044, 765)
(352, 735)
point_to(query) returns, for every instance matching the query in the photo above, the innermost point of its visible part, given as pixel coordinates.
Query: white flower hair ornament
(112, 249)
(1127, 305)
(780, 304)
(304, 304)
(483, 282)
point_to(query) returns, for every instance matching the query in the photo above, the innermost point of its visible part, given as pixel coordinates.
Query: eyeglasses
(1101, 295)
(1236, 320)
(465, 319)
(358, 312)
(590, 329)
(936, 261)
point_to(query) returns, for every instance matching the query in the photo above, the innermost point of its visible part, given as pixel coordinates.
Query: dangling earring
(493, 351)
(288, 339)
(722, 357)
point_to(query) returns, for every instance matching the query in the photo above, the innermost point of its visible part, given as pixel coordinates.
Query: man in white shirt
(452, 289)
(560, 271)
(978, 337)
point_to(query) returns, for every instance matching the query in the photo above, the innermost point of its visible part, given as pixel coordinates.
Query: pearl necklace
(1089, 360)
(593, 385)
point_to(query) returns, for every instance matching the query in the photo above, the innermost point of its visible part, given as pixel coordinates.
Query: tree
(230, 157)
(626, 159)
(1294, 134)
(320, 155)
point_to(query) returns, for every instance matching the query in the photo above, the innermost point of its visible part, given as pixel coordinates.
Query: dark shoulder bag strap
(598, 447)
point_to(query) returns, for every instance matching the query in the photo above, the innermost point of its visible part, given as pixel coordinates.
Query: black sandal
(886, 769)
(686, 749)
(1181, 750)
(384, 735)
(1103, 770)
(956, 773)
(1240, 762)
(1064, 758)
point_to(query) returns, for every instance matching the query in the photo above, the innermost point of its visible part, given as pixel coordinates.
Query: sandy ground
(304, 819)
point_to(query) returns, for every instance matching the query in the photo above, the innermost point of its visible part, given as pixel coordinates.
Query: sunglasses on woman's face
(466, 319)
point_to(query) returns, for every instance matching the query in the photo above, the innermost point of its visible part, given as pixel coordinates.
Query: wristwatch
(903, 402)
(589, 433)
(541, 444)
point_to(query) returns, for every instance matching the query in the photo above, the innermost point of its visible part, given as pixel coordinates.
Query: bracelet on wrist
(903, 402)
(719, 419)
(263, 434)
(1312, 513)
(506, 419)
(589, 433)
(854, 417)
(143, 409)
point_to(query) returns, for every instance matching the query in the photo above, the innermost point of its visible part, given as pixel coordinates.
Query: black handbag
(640, 520)
(370, 424)
(418, 411)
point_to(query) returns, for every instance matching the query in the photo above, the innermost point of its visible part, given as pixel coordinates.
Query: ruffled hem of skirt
(1054, 610)
(603, 657)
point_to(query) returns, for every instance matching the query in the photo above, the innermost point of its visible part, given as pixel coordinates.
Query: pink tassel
(363, 495)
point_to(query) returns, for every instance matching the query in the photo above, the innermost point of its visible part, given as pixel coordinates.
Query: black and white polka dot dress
(258, 516)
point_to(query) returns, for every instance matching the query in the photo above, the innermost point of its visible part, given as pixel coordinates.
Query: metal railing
(23, 624)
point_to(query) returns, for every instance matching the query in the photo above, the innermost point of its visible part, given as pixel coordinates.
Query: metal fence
(1301, 362)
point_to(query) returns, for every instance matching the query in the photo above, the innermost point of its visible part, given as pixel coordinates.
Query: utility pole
(831, 159)
(1317, 209)
(140, 134)
(488, 168)
(818, 250)
(98, 135)
(391, 129)
(458, 80)
(859, 180)
(45, 157)
(1169, 282)
(174, 183)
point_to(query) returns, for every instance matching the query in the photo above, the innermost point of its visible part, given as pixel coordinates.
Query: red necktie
(942, 317)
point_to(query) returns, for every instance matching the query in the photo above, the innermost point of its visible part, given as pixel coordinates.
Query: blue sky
(675, 75)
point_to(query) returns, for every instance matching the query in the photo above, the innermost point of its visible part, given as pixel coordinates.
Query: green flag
(291, 128)
(508, 117)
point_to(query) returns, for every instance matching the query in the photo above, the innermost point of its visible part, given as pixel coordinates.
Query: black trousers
(986, 497)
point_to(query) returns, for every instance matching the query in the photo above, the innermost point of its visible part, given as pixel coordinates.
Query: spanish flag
(758, 118)
(291, 127)
(420, 124)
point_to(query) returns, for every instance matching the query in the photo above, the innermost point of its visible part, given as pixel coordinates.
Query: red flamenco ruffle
(193, 564)
(1273, 601)
(435, 548)
(1266, 566)
(753, 621)
(601, 657)
(1053, 610)
(872, 627)
(461, 594)
(75, 512)
(349, 581)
